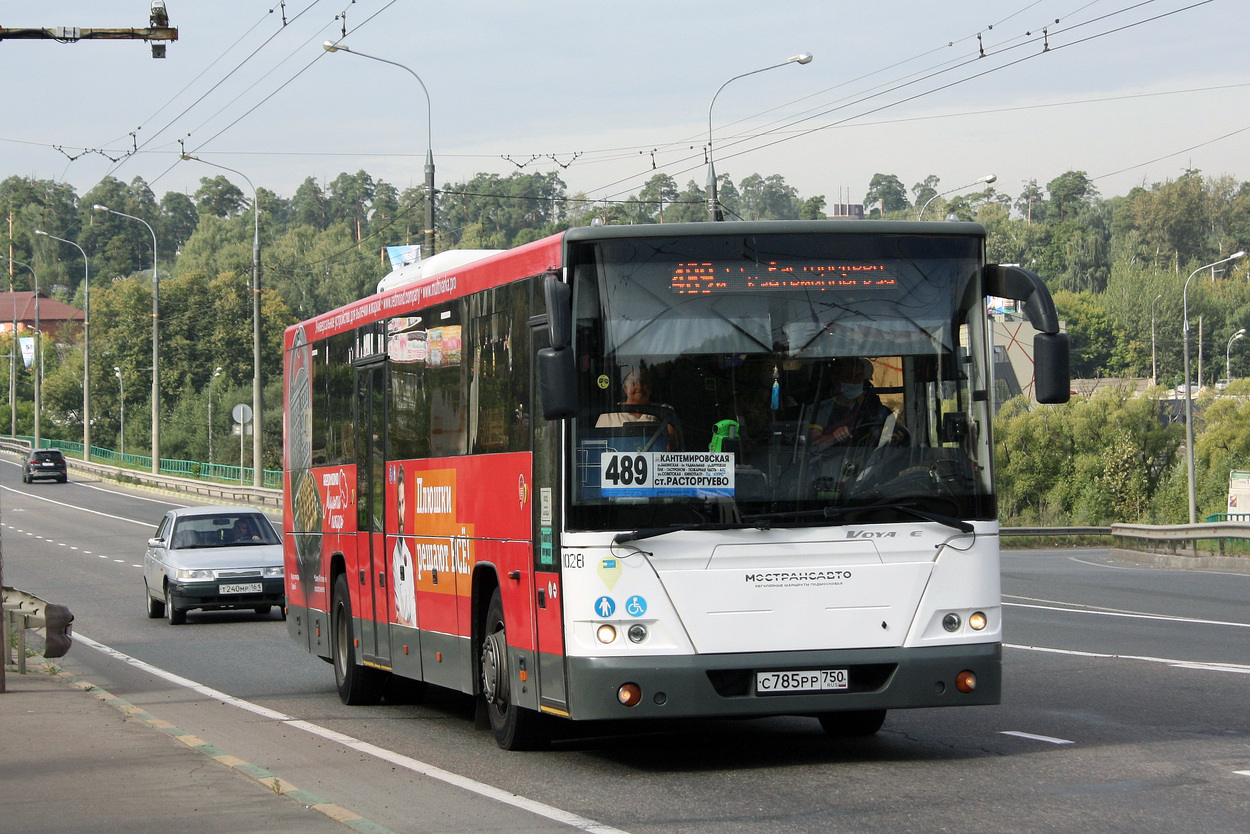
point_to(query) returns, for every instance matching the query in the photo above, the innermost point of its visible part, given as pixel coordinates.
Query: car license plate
(241, 588)
(807, 680)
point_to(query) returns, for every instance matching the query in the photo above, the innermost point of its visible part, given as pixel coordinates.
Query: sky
(609, 94)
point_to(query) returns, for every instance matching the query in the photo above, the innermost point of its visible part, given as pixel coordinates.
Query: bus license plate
(809, 680)
(241, 588)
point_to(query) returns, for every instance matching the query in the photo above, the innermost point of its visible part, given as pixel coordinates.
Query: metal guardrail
(219, 491)
(1055, 531)
(243, 475)
(1173, 536)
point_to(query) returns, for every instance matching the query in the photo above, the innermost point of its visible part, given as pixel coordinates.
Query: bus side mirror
(559, 298)
(1051, 368)
(1051, 382)
(557, 382)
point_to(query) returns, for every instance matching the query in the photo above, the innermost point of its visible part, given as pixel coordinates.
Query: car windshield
(223, 531)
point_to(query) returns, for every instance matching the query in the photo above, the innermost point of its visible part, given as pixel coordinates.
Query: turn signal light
(966, 681)
(629, 694)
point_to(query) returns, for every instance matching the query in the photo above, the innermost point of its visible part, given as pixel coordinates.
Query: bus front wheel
(357, 685)
(515, 727)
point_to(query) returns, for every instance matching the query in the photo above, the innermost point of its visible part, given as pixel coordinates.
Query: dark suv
(44, 463)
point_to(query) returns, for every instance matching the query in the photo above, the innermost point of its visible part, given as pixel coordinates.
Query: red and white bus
(476, 500)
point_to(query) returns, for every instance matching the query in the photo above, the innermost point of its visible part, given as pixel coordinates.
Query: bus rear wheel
(852, 724)
(515, 727)
(357, 685)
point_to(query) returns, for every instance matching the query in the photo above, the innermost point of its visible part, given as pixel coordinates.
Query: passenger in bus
(637, 406)
(854, 415)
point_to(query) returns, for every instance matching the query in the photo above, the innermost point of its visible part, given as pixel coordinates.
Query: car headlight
(276, 570)
(186, 574)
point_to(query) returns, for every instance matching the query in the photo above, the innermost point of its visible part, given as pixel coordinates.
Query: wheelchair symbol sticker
(605, 607)
(636, 606)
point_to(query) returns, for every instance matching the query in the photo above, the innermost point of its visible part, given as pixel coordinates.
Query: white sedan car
(213, 558)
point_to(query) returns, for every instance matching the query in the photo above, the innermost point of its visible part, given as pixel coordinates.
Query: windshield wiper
(814, 517)
(652, 532)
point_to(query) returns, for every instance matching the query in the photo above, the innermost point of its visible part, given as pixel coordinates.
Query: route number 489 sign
(628, 474)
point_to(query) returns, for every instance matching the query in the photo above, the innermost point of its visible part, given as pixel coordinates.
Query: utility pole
(158, 30)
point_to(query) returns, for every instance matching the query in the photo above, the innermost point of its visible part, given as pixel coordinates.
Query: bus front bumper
(728, 685)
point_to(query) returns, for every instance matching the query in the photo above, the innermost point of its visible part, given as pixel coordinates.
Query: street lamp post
(1228, 353)
(1189, 395)
(37, 365)
(1154, 365)
(121, 396)
(211, 380)
(86, 345)
(257, 378)
(987, 179)
(713, 203)
(428, 249)
(13, 358)
(156, 345)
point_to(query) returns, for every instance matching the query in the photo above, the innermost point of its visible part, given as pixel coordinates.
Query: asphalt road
(1124, 709)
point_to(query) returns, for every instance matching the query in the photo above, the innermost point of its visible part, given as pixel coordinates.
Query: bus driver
(854, 415)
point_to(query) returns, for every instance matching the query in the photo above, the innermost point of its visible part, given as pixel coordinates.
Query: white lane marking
(473, 786)
(1129, 614)
(1112, 567)
(1242, 772)
(1150, 568)
(135, 496)
(1235, 668)
(81, 509)
(1033, 737)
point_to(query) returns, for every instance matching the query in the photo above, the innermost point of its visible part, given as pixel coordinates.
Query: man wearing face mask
(854, 415)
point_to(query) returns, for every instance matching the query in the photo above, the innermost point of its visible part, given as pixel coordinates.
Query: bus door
(372, 565)
(549, 622)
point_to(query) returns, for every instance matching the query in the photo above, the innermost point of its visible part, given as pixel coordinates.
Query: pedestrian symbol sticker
(605, 607)
(636, 606)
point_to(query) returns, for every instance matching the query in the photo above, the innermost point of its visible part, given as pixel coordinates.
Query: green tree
(1068, 192)
(656, 193)
(813, 208)
(925, 190)
(1091, 333)
(309, 206)
(218, 197)
(886, 194)
(178, 220)
(768, 198)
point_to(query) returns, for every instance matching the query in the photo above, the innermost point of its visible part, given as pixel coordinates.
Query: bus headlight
(606, 633)
(637, 633)
(978, 621)
(951, 622)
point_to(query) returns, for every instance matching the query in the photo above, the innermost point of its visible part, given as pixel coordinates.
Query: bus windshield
(779, 379)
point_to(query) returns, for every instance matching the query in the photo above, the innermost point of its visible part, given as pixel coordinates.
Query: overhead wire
(1048, 47)
(224, 78)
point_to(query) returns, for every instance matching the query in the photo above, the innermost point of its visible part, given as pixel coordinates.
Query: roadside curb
(260, 775)
(1178, 561)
